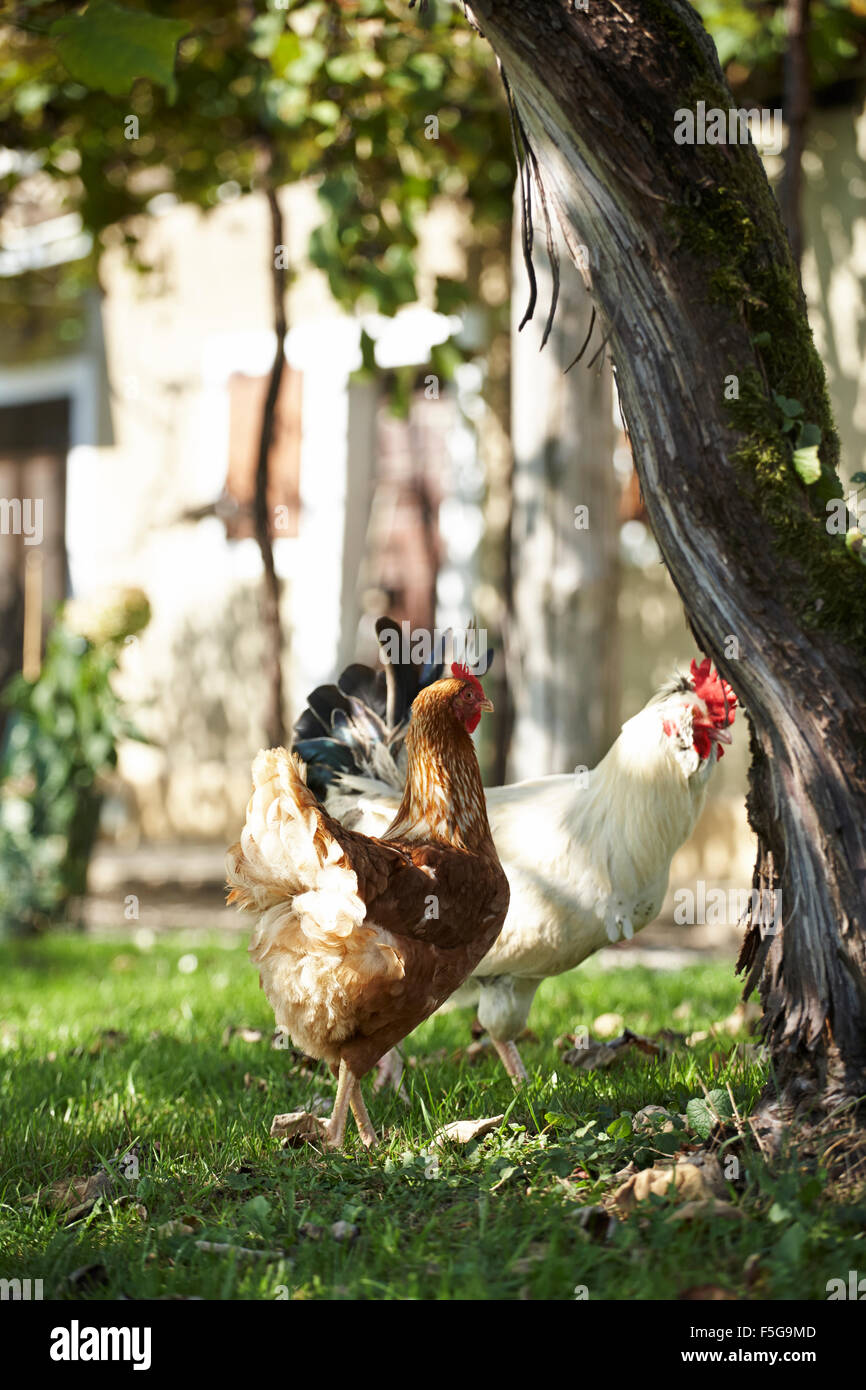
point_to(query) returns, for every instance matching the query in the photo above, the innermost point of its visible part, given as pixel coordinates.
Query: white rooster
(587, 855)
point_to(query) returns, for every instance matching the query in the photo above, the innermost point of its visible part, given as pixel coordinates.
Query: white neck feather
(639, 802)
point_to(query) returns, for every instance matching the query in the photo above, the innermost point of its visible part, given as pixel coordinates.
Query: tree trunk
(705, 317)
(796, 114)
(275, 730)
(488, 280)
(565, 561)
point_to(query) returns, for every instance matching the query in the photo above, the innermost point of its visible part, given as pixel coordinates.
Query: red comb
(717, 695)
(464, 674)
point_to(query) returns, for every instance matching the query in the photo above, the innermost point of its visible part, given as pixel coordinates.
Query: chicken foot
(349, 1097)
(301, 1125)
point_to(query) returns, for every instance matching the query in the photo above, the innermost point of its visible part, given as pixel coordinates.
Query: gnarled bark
(695, 283)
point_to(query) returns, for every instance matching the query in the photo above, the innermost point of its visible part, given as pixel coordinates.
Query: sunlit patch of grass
(108, 1048)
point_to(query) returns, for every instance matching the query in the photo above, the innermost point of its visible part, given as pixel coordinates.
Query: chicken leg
(334, 1129)
(365, 1125)
(302, 1125)
(503, 1008)
(512, 1061)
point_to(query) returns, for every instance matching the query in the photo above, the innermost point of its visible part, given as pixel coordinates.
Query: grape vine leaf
(107, 47)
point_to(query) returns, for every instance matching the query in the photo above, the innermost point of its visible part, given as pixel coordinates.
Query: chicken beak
(720, 735)
(486, 706)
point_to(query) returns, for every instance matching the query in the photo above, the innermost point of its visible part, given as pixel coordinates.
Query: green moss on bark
(677, 30)
(751, 271)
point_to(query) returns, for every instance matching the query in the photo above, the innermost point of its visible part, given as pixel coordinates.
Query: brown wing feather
(429, 892)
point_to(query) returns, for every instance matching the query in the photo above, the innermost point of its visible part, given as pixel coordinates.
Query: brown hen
(360, 939)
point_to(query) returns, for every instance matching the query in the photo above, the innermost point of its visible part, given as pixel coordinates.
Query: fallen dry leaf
(296, 1127)
(670, 1039)
(593, 1056)
(707, 1209)
(344, 1232)
(464, 1131)
(651, 1046)
(654, 1118)
(76, 1196)
(250, 1035)
(174, 1228)
(692, 1181)
(608, 1025)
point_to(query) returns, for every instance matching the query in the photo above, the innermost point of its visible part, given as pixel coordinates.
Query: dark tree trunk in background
(494, 594)
(11, 632)
(696, 285)
(796, 115)
(274, 723)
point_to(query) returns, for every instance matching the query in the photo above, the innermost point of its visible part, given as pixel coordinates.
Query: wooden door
(34, 440)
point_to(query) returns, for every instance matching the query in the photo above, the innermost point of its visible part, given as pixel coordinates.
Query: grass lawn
(106, 1046)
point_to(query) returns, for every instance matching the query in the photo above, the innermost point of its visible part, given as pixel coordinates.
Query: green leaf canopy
(108, 47)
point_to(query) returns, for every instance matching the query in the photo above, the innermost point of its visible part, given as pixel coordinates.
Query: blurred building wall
(153, 501)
